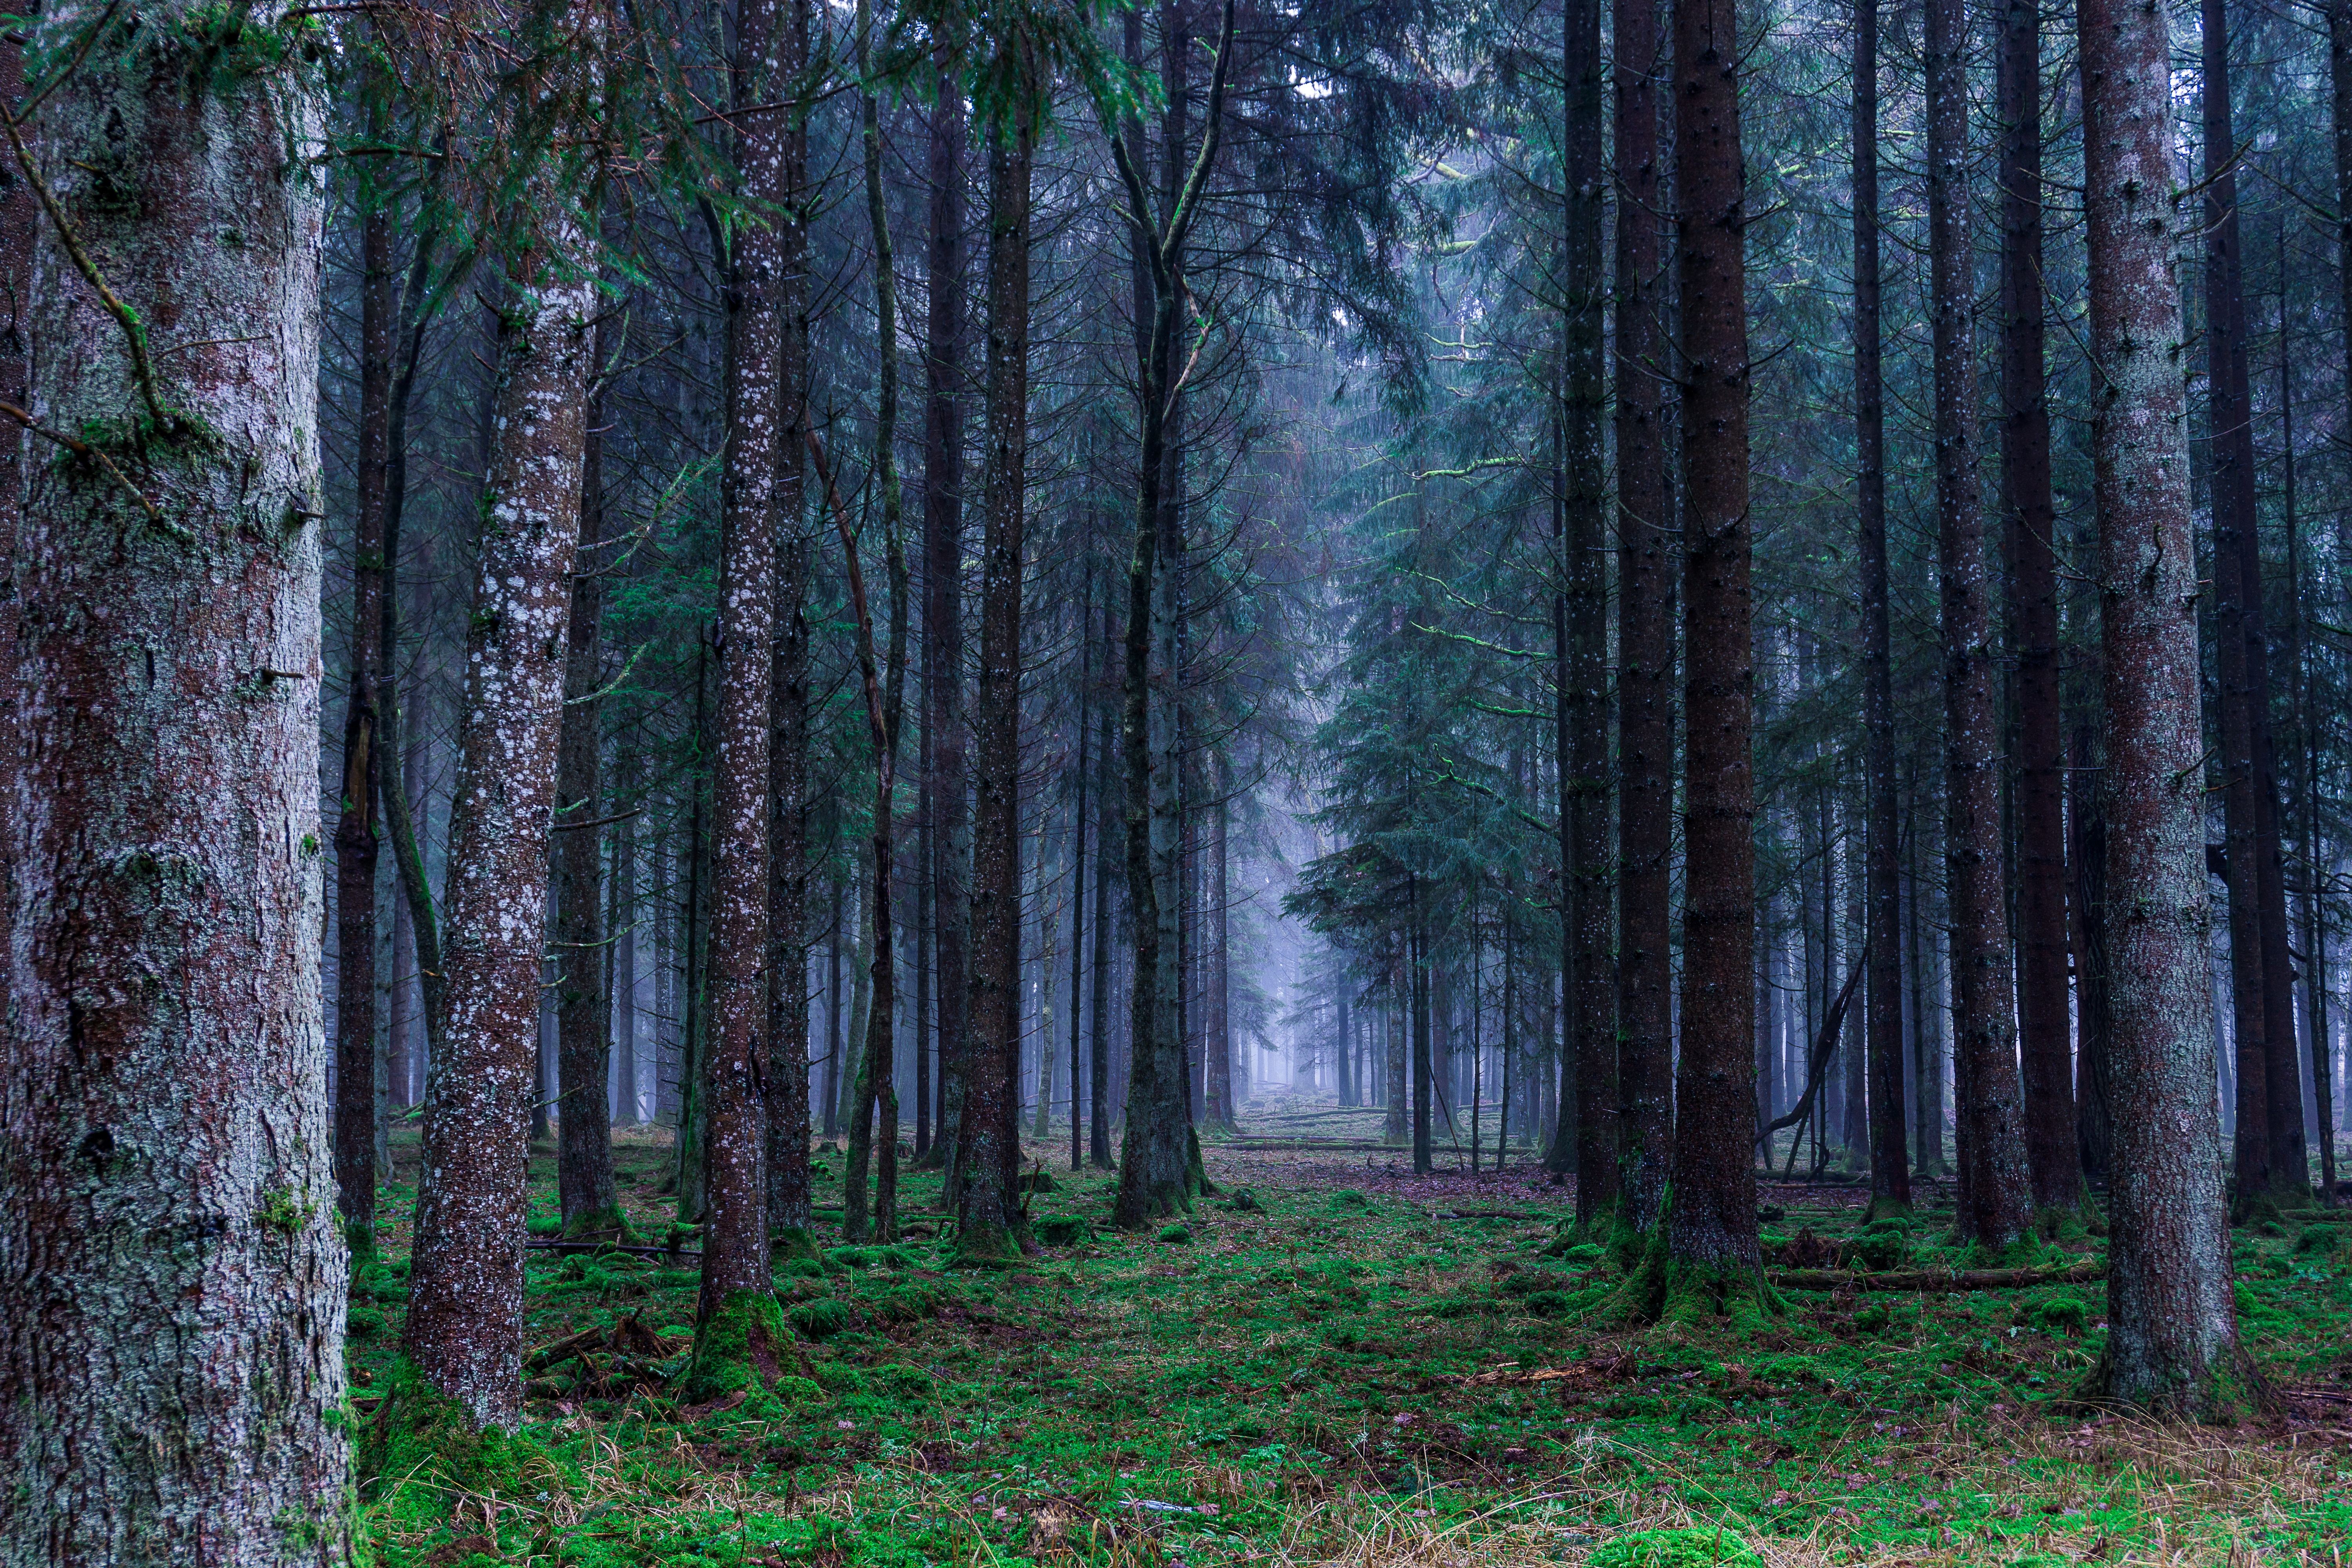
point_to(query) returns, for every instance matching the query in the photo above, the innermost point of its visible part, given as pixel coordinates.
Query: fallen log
(2081, 1273)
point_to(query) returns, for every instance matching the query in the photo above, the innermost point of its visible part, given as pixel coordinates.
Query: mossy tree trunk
(171, 1282)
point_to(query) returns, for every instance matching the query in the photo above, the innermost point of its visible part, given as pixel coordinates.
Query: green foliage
(1178, 1233)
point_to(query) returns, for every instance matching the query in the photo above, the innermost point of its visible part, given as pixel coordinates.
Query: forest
(1143, 783)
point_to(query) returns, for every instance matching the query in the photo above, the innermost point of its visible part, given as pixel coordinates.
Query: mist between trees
(1659, 594)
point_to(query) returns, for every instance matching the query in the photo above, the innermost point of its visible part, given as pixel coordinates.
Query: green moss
(1062, 1230)
(600, 1224)
(741, 1344)
(822, 1319)
(793, 1242)
(1714, 1547)
(362, 1324)
(1177, 1234)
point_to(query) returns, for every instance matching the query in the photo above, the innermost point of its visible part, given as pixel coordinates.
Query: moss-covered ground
(1331, 1362)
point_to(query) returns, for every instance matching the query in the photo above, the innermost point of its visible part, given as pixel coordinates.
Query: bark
(620, 924)
(1418, 969)
(1994, 1197)
(355, 829)
(1711, 1230)
(943, 718)
(1646, 551)
(584, 1187)
(464, 1328)
(1157, 1173)
(1580, 625)
(2172, 1340)
(787, 1069)
(989, 1133)
(2052, 1158)
(171, 1283)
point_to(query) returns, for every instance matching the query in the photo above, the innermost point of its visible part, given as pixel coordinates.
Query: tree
(1994, 1207)
(989, 1136)
(584, 1016)
(1580, 628)
(2172, 1342)
(165, 1186)
(464, 1328)
(1890, 1171)
(1645, 641)
(2052, 1159)
(1710, 1249)
(1158, 1174)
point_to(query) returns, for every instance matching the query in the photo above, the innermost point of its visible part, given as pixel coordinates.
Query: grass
(1342, 1376)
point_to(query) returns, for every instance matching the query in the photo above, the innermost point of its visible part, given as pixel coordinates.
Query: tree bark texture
(1711, 1230)
(1994, 1195)
(989, 1134)
(464, 1329)
(171, 1283)
(1646, 562)
(2172, 1340)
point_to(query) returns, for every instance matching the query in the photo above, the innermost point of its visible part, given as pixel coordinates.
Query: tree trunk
(171, 1298)
(621, 920)
(989, 1133)
(464, 1329)
(1646, 532)
(2172, 1343)
(786, 1161)
(355, 829)
(584, 993)
(1711, 1230)
(1216, 1034)
(2306, 776)
(736, 1316)
(1995, 1198)
(1079, 894)
(2087, 857)
(1579, 633)
(944, 779)
(2053, 1157)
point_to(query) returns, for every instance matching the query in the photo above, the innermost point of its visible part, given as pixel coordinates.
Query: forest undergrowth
(1331, 1363)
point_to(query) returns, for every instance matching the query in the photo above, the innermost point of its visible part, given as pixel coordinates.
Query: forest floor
(1354, 1366)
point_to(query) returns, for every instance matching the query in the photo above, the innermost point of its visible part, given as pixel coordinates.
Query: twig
(81, 449)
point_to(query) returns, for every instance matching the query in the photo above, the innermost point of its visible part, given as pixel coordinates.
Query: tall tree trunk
(2172, 1344)
(876, 1090)
(1711, 1231)
(171, 1284)
(1646, 533)
(1217, 1037)
(1995, 1199)
(990, 1132)
(464, 1329)
(2053, 1157)
(1078, 898)
(1580, 630)
(787, 1157)
(736, 1317)
(1157, 1171)
(2087, 858)
(355, 829)
(944, 776)
(584, 1188)
(620, 927)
